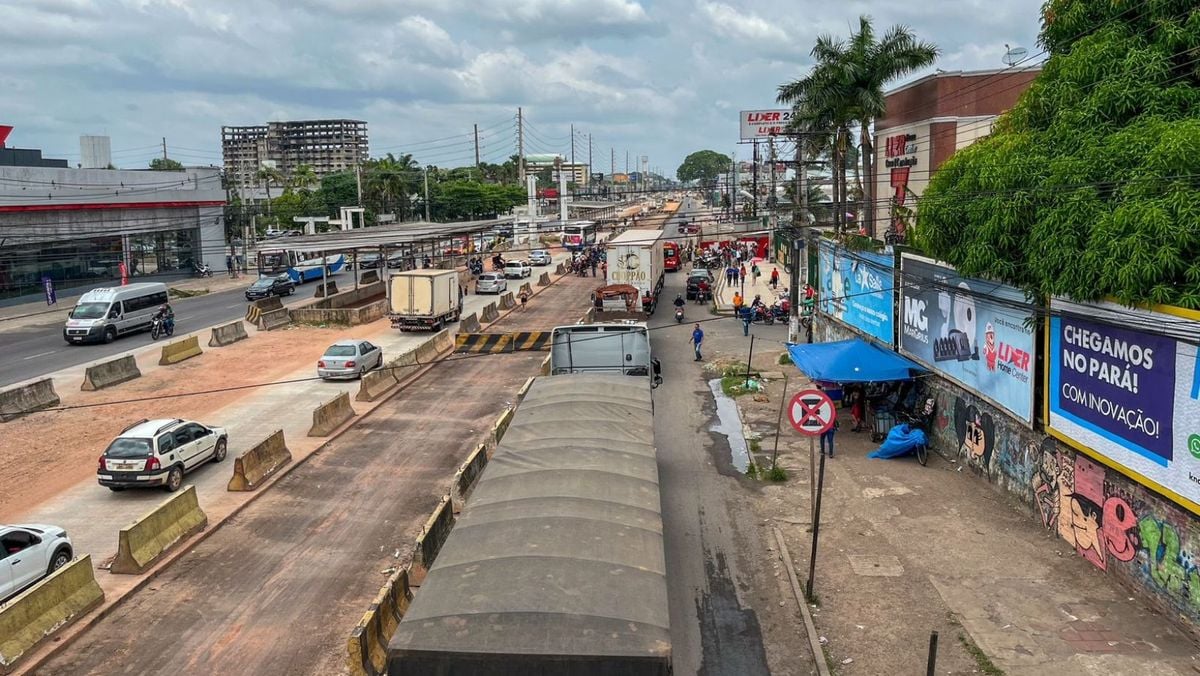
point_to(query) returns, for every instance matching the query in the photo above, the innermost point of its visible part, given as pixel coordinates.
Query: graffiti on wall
(976, 433)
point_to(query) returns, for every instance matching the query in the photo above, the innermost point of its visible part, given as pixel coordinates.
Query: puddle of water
(729, 423)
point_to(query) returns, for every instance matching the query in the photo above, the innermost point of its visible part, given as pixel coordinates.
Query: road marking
(40, 354)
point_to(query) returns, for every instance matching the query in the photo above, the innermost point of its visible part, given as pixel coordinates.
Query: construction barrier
(507, 302)
(36, 396)
(528, 341)
(429, 542)
(464, 478)
(367, 647)
(561, 269)
(369, 277)
(525, 388)
(145, 541)
(256, 465)
(544, 370)
(331, 415)
(489, 313)
(494, 343)
(429, 350)
(40, 611)
(544, 280)
(275, 319)
(256, 308)
(227, 334)
(470, 324)
(109, 373)
(180, 350)
(501, 426)
(326, 289)
(374, 384)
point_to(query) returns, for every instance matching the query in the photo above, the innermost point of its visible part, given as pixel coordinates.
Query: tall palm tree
(303, 178)
(846, 85)
(268, 175)
(391, 181)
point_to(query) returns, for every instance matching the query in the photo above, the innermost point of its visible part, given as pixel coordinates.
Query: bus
(579, 235)
(301, 266)
(671, 260)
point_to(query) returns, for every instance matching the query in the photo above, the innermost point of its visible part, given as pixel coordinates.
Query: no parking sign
(812, 413)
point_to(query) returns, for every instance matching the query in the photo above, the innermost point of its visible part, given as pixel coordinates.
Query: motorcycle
(762, 314)
(202, 270)
(779, 311)
(679, 315)
(161, 326)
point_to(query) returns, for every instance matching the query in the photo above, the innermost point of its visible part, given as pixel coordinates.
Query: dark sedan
(266, 287)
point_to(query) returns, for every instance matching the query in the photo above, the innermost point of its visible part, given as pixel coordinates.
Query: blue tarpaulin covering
(852, 361)
(902, 440)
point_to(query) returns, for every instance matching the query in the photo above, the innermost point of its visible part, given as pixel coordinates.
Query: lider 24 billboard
(975, 332)
(1124, 387)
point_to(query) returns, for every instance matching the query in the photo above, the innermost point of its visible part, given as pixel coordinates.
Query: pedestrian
(229, 265)
(747, 315)
(742, 273)
(737, 275)
(524, 298)
(728, 276)
(604, 269)
(593, 266)
(828, 436)
(774, 278)
(754, 273)
(738, 301)
(696, 340)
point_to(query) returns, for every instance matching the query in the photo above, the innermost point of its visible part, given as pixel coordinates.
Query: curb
(814, 643)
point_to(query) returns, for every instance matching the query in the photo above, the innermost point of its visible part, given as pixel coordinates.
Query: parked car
(159, 453)
(693, 281)
(397, 260)
(368, 261)
(539, 257)
(265, 287)
(272, 233)
(293, 233)
(349, 359)
(491, 282)
(517, 269)
(30, 552)
(687, 228)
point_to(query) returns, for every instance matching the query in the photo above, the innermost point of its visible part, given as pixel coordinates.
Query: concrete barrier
(263, 459)
(144, 542)
(367, 647)
(464, 478)
(544, 280)
(180, 350)
(433, 535)
(369, 277)
(40, 611)
(331, 415)
(18, 401)
(544, 369)
(470, 324)
(429, 350)
(561, 269)
(374, 384)
(275, 319)
(501, 426)
(227, 334)
(526, 289)
(507, 302)
(489, 313)
(326, 289)
(525, 388)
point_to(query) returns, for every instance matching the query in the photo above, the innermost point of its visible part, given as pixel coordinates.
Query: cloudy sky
(655, 77)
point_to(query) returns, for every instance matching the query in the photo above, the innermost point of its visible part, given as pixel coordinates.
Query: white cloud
(742, 24)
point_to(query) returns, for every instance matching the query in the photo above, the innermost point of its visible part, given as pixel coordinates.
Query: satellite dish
(1014, 55)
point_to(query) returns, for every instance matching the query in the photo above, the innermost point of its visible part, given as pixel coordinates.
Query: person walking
(747, 315)
(738, 302)
(774, 278)
(729, 275)
(828, 436)
(696, 340)
(736, 275)
(524, 299)
(742, 274)
(754, 273)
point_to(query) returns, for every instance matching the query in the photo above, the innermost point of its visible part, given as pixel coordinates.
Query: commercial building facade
(328, 146)
(927, 121)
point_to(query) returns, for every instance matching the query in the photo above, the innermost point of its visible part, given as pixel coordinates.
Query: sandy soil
(46, 453)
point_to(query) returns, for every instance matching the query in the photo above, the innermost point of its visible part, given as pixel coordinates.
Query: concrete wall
(333, 309)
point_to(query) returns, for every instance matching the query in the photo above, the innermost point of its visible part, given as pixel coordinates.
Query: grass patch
(735, 386)
(184, 293)
(785, 359)
(981, 659)
(777, 473)
(814, 600)
(755, 446)
(752, 470)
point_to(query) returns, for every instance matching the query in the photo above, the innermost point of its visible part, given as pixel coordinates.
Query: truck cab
(621, 348)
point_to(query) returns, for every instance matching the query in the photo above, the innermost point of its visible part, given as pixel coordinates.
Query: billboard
(856, 289)
(1123, 386)
(620, 178)
(975, 332)
(764, 123)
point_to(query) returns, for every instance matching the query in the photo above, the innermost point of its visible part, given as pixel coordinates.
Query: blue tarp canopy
(852, 361)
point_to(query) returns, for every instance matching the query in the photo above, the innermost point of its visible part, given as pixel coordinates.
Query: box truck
(424, 299)
(635, 258)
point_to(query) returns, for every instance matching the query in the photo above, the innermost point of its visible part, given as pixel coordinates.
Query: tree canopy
(1089, 186)
(703, 166)
(165, 164)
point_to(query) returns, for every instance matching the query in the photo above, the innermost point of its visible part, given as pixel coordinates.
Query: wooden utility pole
(164, 148)
(476, 145)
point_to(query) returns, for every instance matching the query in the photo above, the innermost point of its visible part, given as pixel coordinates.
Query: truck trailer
(424, 300)
(635, 257)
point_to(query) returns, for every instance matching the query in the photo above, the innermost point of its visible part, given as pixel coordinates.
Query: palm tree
(846, 86)
(391, 181)
(303, 178)
(267, 175)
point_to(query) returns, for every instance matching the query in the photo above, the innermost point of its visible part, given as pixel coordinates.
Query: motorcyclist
(679, 301)
(497, 262)
(167, 316)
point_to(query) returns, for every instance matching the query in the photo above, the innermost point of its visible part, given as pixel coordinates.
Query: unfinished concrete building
(328, 146)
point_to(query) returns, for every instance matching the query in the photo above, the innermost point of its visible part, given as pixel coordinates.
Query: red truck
(671, 260)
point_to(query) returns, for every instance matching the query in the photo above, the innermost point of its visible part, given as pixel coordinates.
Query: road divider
(110, 373)
(275, 319)
(36, 396)
(145, 541)
(228, 334)
(544, 279)
(369, 277)
(257, 464)
(470, 324)
(180, 350)
(326, 289)
(545, 368)
(501, 426)
(468, 472)
(256, 308)
(431, 349)
(375, 384)
(489, 313)
(50, 605)
(331, 415)
(524, 388)
(507, 302)
(495, 343)
(561, 269)
(367, 646)
(433, 535)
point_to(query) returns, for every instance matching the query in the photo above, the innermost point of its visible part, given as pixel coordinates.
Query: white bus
(579, 235)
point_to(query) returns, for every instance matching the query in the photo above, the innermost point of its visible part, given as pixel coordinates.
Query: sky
(660, 78)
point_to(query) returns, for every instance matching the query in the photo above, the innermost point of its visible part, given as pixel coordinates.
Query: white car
(491, 282)
(517, 269)
(29, 552)
(159, 453)
(349, 359)
(539, 257)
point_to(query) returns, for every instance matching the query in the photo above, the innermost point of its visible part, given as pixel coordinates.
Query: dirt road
(279, 587)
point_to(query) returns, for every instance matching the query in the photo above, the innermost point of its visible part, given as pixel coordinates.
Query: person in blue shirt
(747, 313)
(696, 340)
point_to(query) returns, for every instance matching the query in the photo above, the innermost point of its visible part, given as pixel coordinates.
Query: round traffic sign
(812, 413)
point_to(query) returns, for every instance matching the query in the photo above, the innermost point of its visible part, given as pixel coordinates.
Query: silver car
(539, 257)
(349, 359)
(29, 552)
(491, 282)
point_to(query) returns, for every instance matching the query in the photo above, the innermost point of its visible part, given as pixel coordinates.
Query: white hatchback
(29, 552)
(517, 269)
(159, 452)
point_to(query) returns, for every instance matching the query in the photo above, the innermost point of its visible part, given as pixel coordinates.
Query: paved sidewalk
(750, 288)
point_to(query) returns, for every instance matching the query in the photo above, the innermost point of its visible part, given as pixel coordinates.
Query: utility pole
(771, 194)
(754, 183)
(799, 231)
(520, 146)
(626, 161)
(164, 149)
(589, 176)
(612, 161)
(358, 182)
(476, 145)
(572, 162)
(426, 194)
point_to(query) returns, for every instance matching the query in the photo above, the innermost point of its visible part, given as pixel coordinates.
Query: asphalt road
(34, 350)
(713, 632)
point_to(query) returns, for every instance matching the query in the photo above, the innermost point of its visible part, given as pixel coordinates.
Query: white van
(103, 314)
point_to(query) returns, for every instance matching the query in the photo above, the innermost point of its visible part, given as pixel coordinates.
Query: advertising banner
(1124, 386)
(856, 289)
(764, 123)
(976, 332)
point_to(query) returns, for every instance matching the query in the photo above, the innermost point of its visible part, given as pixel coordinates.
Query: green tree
(846, 86)
(389, 183)
(1087, 188)
(164, 164)
(704, 166)
(338, 190)
(303, 178)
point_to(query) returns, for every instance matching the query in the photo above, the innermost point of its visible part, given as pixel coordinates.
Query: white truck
(614, 347)
(424, 300)
(635, 258)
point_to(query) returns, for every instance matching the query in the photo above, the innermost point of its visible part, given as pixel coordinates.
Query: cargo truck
(423, 300)
(635, 257)
(613, 347)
